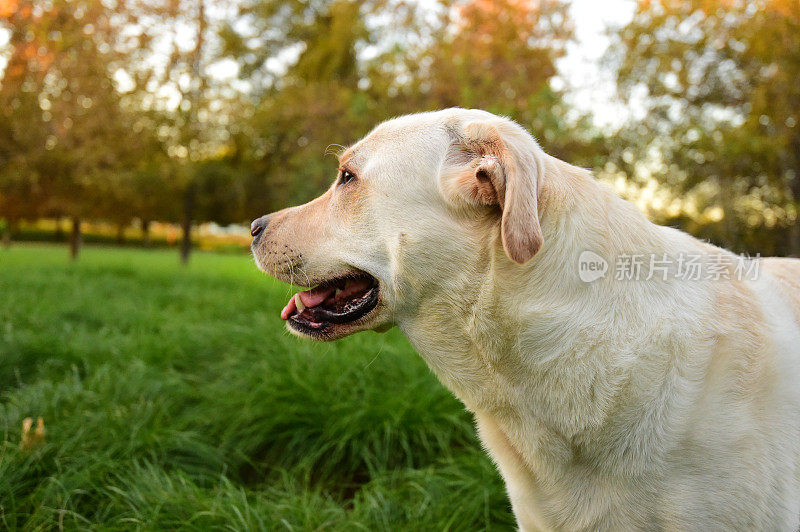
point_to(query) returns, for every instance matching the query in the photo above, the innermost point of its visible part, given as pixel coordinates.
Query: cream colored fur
(612, 405)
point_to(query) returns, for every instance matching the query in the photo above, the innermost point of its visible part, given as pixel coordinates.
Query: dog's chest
(555, 485)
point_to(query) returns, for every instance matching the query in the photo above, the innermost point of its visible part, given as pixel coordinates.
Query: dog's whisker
(303, 271)
(380, 350)
(336, 152)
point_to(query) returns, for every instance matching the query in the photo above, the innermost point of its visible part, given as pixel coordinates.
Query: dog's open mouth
(336, 302)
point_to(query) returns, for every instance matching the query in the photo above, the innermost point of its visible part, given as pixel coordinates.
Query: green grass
(174, 398)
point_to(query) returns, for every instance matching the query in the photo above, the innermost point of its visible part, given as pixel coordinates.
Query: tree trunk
(730, 228)
(794, 189)
(76, 238)
(195, 97)
(9, 229)
(59, 234)
(188, 214)
(7, 235)
(146, 233)
(794, 239)
(120, 234)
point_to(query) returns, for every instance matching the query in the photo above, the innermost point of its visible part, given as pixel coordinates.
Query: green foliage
(717, 80)
(174, 398)
(173, 143)
(61, 111)
(722, 111)
(499, 56)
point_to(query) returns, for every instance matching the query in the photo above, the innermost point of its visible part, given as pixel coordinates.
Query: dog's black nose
(258, 225)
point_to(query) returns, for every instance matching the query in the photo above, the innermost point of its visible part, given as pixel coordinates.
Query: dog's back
(787, 273)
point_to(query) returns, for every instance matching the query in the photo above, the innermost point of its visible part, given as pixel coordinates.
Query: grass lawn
(174, 398)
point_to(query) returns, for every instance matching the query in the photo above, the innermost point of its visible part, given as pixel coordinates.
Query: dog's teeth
(338, 291)
(299, 303)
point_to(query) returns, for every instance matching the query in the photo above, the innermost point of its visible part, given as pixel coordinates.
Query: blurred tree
(494, 53)
(718, 80)
(328, 71)
(141, 189)
(198, 129)
(22, 135)
(316, 39)
(152, 194)
(128, 122)
(220, 191)
(501, 55)
(71, 143)
(310, 66)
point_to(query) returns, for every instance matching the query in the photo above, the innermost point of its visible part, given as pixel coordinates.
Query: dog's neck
(535, 340)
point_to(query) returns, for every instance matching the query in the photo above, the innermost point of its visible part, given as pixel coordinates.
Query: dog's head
(420, 208)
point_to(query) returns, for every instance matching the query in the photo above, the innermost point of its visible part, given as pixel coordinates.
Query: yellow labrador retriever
(622, 375)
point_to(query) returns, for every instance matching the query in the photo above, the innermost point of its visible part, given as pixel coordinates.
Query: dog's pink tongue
(315, 296)
(310, 298)
(289, 309)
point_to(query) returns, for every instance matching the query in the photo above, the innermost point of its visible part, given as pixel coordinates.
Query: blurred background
(170, 395)
(139, 121)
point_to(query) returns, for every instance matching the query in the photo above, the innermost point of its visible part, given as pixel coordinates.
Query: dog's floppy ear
(496, 162)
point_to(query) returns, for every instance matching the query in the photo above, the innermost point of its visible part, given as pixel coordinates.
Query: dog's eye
(345, 176)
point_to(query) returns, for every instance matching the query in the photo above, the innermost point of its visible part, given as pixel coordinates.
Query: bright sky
(593, 89)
